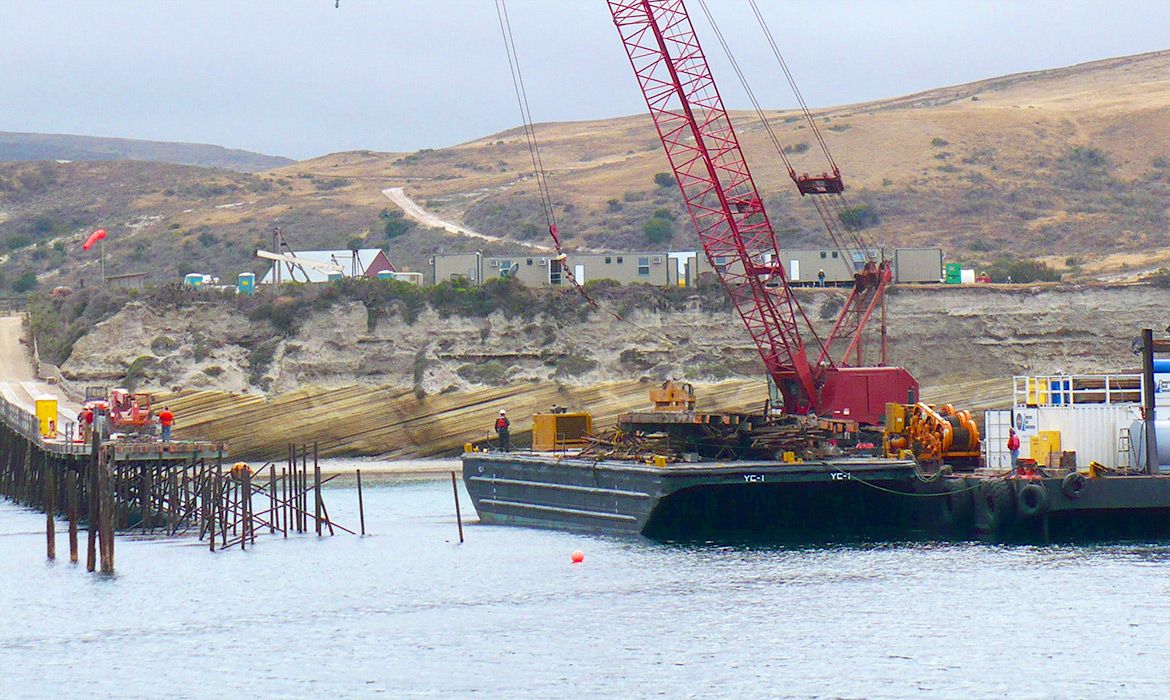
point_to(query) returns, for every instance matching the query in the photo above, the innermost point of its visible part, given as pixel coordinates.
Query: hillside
(368, 360)
(1069, 165)
(16, 146)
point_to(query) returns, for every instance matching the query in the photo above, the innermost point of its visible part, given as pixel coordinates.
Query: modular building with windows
(545, 270)
(802, 267)
(682, 268)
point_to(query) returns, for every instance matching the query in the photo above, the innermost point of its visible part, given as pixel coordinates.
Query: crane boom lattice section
(717, 187)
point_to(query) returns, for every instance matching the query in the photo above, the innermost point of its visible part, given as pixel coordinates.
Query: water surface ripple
(409, 613)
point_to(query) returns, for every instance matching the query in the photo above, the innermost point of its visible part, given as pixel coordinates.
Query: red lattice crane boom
(733, 226)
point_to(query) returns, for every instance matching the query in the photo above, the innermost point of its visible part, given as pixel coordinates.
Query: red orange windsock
(94, 238)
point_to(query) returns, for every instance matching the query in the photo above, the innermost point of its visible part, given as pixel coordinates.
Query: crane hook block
(820, 184)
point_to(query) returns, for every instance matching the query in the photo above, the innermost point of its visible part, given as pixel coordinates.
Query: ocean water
(408, 612)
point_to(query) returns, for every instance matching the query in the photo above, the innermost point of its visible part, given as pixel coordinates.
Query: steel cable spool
(961, 440)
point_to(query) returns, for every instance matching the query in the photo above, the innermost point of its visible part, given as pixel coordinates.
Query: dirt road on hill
(415, 212)
(18, 381)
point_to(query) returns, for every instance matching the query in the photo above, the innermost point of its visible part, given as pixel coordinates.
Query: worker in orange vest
(166, 419)
(502, 430)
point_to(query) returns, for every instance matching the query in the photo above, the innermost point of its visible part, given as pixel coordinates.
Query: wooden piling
(317, 488)
(273, 512)
(223, 501)
(94, 504)
(144, 487)
(71, 489)
(50, 510)
(303, 500)
(106, 528)
(361, 505)
(210, 500)
(458, 514)
(249, 530)
(284, 500)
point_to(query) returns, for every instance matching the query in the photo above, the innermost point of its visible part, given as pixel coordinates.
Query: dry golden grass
(1001, 184)
(1005, 133)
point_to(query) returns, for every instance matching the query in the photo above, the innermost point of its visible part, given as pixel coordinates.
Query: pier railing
(1077, 389)
(29, 427)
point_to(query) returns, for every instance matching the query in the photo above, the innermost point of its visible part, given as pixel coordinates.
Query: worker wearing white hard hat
(502, 425)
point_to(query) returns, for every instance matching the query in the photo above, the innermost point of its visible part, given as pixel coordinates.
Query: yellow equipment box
(895, 418)
(1046, 443)
(559, 431)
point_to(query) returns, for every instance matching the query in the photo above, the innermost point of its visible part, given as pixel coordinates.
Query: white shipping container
(995, 428)
(1092, 432)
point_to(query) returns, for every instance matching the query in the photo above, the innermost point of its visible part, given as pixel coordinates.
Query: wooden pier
(147, 487)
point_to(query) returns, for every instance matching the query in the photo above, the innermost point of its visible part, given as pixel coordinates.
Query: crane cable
(539, 170)
(829, 212)
(838, 206)
(526, 118)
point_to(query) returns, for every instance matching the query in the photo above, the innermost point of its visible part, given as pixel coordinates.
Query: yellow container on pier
(47, 415)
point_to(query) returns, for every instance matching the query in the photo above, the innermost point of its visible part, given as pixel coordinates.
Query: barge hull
(689, 500)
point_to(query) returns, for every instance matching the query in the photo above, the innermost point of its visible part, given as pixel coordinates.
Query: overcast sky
(301, 78)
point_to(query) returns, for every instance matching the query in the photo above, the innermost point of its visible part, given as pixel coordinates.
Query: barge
(1092, 469)
(843, 499)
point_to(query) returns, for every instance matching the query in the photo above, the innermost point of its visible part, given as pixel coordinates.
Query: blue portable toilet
(385, 275)
(334, 276)
(246, 283)
(193, 279)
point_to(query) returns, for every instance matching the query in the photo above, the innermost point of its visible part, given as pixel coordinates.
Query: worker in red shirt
(1013, 446)
(166, 419)
(502, 425)
(85, 418)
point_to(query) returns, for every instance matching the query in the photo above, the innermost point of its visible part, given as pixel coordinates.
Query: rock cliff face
(940, 334)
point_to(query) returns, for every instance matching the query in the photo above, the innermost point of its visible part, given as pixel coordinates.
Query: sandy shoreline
(373, 471)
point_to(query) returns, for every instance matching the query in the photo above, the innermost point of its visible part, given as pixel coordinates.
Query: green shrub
(939, 142)
(395, 224)
(658, 231)
(25, 283)
(859, 217)
(213, 371)
(664, 180)
(162, 345)
(1022, 271)
(138, 370)
(1159, 279)
(260, 360)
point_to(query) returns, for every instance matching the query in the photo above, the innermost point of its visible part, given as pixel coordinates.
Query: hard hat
(502, 411)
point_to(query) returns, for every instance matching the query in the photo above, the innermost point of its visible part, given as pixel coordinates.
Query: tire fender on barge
(995, 507)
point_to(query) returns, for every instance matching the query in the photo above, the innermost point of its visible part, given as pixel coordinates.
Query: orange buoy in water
(578, 557)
